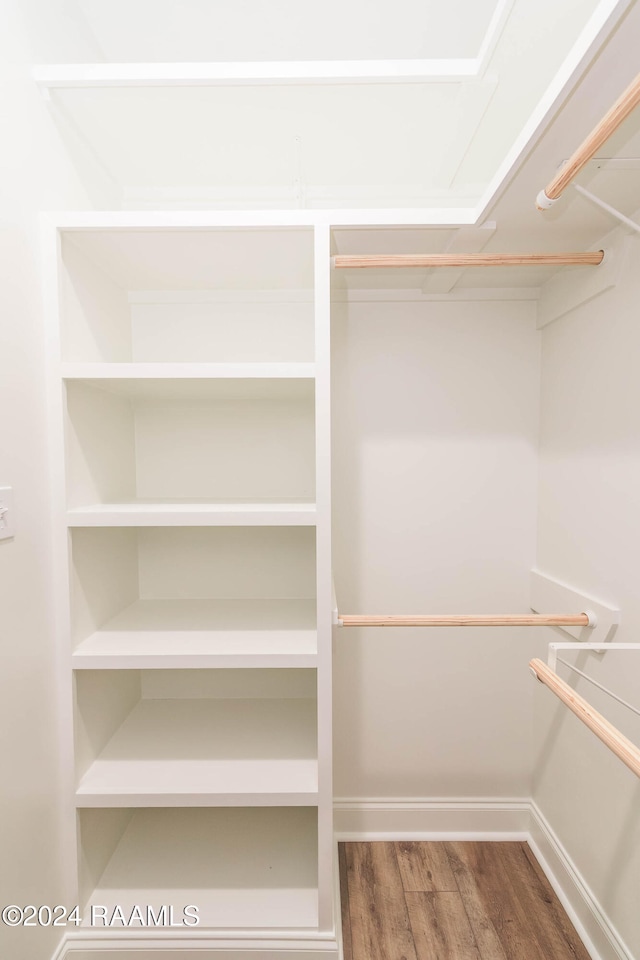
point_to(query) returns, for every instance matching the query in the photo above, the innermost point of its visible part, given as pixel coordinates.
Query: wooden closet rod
(482, 620)
(605, 731)
(343, 261)
(571, 167)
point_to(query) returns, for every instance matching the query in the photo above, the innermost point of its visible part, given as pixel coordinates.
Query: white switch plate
(7, 520)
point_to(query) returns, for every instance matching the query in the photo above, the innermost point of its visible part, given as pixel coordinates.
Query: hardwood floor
(450, 901)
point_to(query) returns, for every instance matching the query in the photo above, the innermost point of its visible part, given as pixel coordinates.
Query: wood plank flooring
(450, 901)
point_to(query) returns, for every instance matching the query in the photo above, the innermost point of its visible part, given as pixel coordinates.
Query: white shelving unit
(190, 392)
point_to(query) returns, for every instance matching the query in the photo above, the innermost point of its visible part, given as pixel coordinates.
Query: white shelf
(187, 371)
(234, 384)
(183, 514)
(208, 753)
(251, 868)
(204, 633)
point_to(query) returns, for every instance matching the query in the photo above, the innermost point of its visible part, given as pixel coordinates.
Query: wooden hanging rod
(620, 110)
(483, 620)
(343, 261)
(605, 731)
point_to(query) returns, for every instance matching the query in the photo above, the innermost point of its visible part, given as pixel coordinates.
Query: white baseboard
(157, 948)
(594, 927)
(397, 818)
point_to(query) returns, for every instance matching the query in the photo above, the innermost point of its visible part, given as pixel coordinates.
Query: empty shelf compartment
(228, 295)
(191, 597)
(196, 738)
(241, 867)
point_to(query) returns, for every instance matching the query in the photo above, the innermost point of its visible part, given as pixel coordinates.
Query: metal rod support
(600, 686)
(608, 208)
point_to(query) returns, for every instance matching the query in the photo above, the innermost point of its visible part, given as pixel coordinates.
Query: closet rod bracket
(552, 653)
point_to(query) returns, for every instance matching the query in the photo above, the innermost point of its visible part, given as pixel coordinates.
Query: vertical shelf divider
(324, 589)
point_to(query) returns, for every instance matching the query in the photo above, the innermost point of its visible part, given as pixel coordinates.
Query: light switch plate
(7, 513)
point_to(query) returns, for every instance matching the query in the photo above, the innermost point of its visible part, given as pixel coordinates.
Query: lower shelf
(250, 868)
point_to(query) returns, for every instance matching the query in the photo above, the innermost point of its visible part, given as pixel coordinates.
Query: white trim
(337, 901)
(599, 936)
(154, 948)
(421, 818)
(324, 579)
(70, 76)
(496, 26)
(61, 949)
(205, 219)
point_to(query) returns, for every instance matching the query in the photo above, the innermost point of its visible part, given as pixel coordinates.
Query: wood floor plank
(425, 867)
(495, 923)
(347, 950)
(554, 931)
(380, 928)
(441, 929)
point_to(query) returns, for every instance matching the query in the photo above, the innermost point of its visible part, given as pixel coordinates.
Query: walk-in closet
(319, 473)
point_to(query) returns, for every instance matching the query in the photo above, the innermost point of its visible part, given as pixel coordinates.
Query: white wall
(589, 536)
(33, 175)
(435, 445)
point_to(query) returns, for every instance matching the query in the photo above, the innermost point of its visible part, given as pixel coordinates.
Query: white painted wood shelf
(246, 868)
(204, 633)
(187, 371)
(195, 752)
(189, 514)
